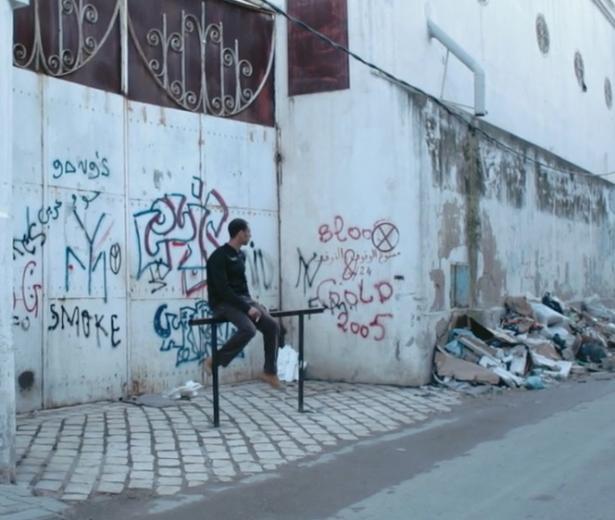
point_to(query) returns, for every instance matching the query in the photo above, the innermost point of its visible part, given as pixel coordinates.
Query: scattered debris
(537, 341)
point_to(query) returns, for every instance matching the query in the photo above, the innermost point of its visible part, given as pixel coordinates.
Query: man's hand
(254, 314)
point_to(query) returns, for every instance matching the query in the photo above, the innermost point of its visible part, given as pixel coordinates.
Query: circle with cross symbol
(385, 237)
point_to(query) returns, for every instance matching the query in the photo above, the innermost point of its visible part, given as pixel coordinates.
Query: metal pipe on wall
(479, 74)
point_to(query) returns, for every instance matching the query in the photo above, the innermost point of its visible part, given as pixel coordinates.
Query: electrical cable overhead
(404, 84)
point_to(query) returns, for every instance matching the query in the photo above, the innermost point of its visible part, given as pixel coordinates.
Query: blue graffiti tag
(93, 260)
(173, 235)
(191, 343)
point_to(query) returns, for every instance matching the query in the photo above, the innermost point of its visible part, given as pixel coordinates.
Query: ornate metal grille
(233, 96)
(219, 63)
(71, 16)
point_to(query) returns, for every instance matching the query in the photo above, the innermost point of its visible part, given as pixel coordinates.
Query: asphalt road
(520, 455)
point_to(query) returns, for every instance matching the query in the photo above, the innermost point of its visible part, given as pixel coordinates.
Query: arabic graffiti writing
(92, 168)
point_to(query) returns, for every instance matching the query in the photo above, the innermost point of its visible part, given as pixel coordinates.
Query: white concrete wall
(380, 160)
(109, 261)
(347, 166)
(7, 356)
(529, 94)
(533, 228)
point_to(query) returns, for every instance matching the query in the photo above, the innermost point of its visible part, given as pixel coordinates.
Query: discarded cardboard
(544, 348)
(478, 347)
(485, 334)
(447, 365)
(519, 305)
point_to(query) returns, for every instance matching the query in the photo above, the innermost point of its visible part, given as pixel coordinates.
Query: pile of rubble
(536, 342)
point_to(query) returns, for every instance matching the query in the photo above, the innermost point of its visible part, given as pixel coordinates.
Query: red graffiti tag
(29, 291)
(341, 233)
(375, 329)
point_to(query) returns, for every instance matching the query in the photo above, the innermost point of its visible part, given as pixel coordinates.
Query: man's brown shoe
(272, 380)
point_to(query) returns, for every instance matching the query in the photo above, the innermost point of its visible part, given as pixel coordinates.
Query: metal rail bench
(214, 322)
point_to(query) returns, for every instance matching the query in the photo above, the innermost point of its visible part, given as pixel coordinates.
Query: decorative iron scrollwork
(64, 60)
(233, 96)
(194, 63)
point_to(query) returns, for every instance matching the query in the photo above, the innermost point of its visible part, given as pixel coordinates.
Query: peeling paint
(450, 235)
(474, 188)
(443, 142)
(563, 289)
(441, 327)
(505, 177)
(492, 283)
(569, 196)
(439, 282)
(538, 283)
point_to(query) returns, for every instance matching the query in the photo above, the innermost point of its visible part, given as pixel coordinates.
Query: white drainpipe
(479, 74)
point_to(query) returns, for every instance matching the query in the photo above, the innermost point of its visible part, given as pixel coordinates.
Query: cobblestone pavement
(18, 503)
(108, 448)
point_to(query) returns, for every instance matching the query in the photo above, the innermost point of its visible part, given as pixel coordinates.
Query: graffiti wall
(347, 275)
(413, 217)
(117, 206)
(355, 264)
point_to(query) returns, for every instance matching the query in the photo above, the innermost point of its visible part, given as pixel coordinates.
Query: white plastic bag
(288, 364)
(547, 316)
(186, 391)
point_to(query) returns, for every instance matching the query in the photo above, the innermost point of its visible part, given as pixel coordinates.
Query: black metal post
(214, 372)
(300, 363)
(301, 313)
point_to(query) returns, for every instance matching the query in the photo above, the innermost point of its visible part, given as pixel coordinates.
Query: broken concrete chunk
(608, 363)
(508, 378)
(597, 310)
(518, 365)
(578, 370)
(561, 368)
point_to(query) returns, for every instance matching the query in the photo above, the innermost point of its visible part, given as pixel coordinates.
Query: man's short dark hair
(236, 225)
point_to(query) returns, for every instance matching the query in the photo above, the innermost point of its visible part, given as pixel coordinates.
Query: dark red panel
(251, 30)
(99, 44)
(81, 42)
(313, 65)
